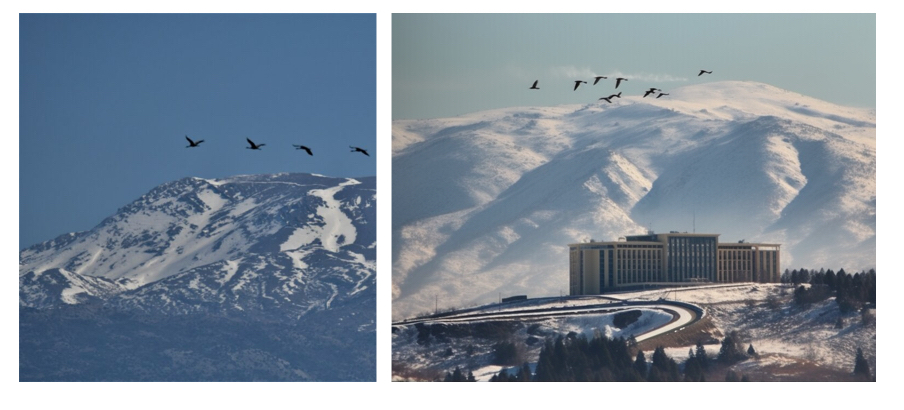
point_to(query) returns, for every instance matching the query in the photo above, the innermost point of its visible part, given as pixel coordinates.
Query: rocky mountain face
(485, 204)
(291, 253)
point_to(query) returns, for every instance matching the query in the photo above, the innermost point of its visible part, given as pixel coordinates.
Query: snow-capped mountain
(292, 240)
(485, 204)
(258, 277)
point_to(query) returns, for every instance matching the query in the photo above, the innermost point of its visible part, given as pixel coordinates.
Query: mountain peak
(485, 203)
(283, 224)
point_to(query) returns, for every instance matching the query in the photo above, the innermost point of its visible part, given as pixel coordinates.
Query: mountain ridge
(485, 203)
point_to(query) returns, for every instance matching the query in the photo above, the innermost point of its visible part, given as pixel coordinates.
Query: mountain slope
(260, 250)
(485, 204)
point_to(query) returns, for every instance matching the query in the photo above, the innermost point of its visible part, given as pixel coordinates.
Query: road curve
(683, 314)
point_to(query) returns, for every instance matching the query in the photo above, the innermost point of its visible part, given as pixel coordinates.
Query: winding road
(683, 314)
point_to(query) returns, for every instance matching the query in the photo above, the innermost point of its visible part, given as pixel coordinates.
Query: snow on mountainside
(485, 204)
(290, 241)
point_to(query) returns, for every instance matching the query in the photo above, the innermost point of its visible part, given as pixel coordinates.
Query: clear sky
(106, 101)
(450, 64)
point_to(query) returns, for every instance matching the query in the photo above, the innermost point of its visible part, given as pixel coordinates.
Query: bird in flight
(615, 95)
(358, 149)
(253, 145)
(648, 93)
(619, 80)
(608, 99)
(660, 95)
(704, 71)
(597, 79)
(308, 150)
(534, 87)
(192, 143)
(577, 83)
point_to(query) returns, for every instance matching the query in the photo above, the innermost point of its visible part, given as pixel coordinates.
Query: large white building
(668, 259)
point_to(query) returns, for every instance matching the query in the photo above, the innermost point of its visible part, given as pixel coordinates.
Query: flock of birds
(618, 81)
(192, 144)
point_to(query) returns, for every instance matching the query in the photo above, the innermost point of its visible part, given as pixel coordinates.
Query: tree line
(575, 358)
(852, 292)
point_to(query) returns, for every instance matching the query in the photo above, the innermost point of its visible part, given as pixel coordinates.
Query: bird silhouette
(615, 95)
(357, 149)
(608, 99)
(577, 83)
(648, 93)
(253, 145)
(304, 148)
(192, 143)
(660, 95)
(534, 87)
(704, 71)
(619, 80)
(597, 79)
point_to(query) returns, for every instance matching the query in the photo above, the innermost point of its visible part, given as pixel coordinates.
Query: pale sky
(451, 64)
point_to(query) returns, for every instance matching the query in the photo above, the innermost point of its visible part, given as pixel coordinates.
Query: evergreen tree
(640, 364)
(456, 376)
(861, 367)
(751, 351)
(731, 352)
(505, 354)
(660, 359)
(471, 376)
(692, 370)
(701, 356)
(524, 374)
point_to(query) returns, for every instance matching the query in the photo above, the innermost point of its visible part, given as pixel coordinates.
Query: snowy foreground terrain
(794, 343)
(256, 277)
(486, 203)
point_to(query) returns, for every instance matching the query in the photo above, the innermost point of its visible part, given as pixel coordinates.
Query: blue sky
(106, 101)
(451, 64)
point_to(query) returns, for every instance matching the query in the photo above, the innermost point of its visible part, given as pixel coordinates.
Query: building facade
(667, 260)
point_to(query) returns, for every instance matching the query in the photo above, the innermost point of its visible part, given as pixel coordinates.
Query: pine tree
(751, 351)
(640, 364)
(524, 374)
(731, 352)
(701, 356)
(861, 366)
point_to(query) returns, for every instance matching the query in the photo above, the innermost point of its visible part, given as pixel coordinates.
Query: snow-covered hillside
(485, 204)
(793, 342)
(293, 241)
(256, 277)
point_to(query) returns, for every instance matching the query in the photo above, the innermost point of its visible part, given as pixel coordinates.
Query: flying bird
(577, 83)
(597, 79)
(308, 150)
(648, 93)
(615, 95)
(619, 80)
(534, 87)
(253, 145)
(704, 71)
(660, 95)
(357, 149)
(608, 99)
(192, 143)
